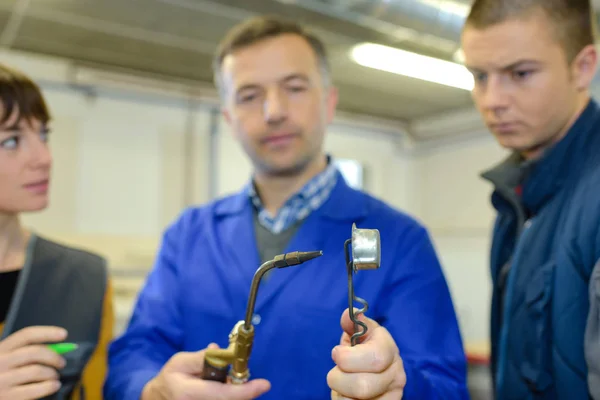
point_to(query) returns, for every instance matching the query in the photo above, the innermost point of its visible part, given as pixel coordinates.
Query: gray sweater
(592, 335)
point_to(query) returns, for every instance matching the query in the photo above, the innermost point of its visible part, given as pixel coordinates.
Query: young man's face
(277, 104)
(525, 88)
(25, 163)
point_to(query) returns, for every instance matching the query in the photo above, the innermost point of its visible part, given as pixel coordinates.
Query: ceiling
(175, 40)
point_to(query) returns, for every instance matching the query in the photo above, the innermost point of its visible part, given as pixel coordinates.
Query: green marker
(63, 348)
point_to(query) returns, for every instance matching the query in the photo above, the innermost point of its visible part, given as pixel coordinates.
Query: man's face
(525, 89)
(277, 104)
(25, 163)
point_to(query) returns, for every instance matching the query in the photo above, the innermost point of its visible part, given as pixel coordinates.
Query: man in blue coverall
(278, 98)
(533, 63)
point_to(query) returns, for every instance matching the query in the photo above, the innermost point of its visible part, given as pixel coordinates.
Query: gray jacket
(592, 335)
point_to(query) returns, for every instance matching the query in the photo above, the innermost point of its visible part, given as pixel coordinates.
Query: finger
(336, 396)
(345, 339)
(396, 394)
(392, 395)
(33, 354)
(349, 329)
(28, 374)
(218, 391)
(348, 325)
(33, 335)
(249, 390)
(191, 363)
(374, 355)
(366, 385)
(32, 391)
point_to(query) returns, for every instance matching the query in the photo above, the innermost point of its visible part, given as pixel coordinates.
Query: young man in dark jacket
(533, 62)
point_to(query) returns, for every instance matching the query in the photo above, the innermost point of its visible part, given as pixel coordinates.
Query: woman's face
(25, 163)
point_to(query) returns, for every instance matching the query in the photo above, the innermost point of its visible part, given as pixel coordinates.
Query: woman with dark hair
(50, 294)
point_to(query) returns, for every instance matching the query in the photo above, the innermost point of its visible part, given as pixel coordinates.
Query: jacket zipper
(507, 298)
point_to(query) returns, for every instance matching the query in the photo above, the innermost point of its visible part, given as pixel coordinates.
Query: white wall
(119, 165)
(455, 205)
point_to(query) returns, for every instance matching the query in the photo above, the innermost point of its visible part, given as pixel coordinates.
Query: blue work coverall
(199, 286)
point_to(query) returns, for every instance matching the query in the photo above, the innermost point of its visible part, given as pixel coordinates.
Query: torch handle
(211, 373)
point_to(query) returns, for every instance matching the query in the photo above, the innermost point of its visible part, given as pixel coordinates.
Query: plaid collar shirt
(300, 205)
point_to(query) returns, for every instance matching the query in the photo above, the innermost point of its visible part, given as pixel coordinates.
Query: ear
(584, 67)
(228, 118)
(332, 102)
(226, 115)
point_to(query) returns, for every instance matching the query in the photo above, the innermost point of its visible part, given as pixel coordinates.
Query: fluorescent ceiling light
(412, 65)
(449, 6)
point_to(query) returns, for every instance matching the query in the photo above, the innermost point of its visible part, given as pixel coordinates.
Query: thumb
(191, 362)
(348, 325)
(249, 390)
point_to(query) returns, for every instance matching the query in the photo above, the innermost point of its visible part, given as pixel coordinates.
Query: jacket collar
(344, 203)
(542, 178)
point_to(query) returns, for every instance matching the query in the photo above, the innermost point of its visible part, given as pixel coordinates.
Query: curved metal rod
(352, 298)
(254, 292)
(217, 362)
(280, 261)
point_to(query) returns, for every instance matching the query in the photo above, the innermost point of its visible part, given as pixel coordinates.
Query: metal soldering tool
(232, 362)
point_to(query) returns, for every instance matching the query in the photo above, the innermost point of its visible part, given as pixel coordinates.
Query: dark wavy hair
(19, 93)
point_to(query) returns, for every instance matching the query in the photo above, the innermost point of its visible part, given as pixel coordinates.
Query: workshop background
(130, 87)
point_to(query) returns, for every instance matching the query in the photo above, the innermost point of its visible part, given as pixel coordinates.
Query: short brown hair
(20, 92)
(573, 18)
(260, 28)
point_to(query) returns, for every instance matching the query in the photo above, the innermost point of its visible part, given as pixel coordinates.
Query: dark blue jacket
(544, 248)
(198, 290)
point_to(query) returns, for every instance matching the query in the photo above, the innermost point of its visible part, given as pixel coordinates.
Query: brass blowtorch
(366, 254)
(232, 362)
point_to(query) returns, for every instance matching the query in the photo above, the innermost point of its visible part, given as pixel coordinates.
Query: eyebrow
(10, 128)
(15, 127)
(285, 79)
(511, 66)
(292, 77)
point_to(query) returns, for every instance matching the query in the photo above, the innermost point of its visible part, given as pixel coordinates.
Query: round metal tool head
(366, 248)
